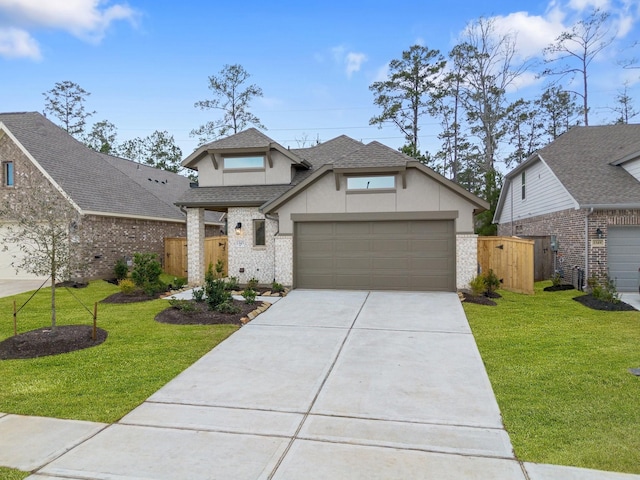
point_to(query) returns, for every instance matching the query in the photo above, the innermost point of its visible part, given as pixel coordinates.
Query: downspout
(586, 246)
(512, 219)
(277, 219)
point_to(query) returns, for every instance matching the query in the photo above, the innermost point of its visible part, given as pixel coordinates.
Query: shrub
(491, 281)
(180, 304)
(220, 268)
(277, 287)
(179, 282)
(198, 294)
(556, 279)
(146, 268)
(121, 269)
(215, 289)
(127, 286)
(232, 283)
(228, 307)
(249, 295)
(605, 290)
(477, 285)
(252, 284)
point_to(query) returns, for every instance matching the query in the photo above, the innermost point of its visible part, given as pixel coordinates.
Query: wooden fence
(175, 254)
(511, 259)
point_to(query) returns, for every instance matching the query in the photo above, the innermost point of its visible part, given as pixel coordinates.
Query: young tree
(405, 95)
(158, 150)
(44, 225)
(624, 109)
(574, 50)
(65, 101)
(102, 137)
(233, 99)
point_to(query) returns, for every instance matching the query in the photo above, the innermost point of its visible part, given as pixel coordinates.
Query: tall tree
(405, 95)
(44, 225)
(102, 137)
(65, 101)
(233, 99)
(524, 130)
(558, 111)
(574, 50)
(158, 150)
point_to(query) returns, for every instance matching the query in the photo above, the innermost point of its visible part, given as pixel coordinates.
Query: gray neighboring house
(583, 189)
(340, 214)
(126, 207)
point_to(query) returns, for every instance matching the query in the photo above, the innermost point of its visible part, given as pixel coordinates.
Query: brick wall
(569, 226)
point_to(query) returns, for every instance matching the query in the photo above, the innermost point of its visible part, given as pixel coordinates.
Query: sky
(146, 62)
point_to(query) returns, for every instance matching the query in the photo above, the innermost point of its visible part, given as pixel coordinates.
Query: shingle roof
(97, 182)
(582, 157)
(373, 154)
(244, 195)
(250, 137)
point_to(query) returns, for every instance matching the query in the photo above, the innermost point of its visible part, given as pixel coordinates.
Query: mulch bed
(120, 297)
(45, 341)
(480, 299)
(203, 316)
(597, 304)
(559, 288)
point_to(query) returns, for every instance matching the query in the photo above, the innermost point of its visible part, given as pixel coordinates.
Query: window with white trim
(7, 174)
(524, 193)
(259, 233)
(374, 182)
(243, 163)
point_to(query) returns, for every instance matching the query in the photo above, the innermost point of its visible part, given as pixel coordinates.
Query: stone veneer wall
(258, 262)
(284, 259)
(466, 259)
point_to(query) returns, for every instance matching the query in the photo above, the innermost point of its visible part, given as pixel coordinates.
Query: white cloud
(382, 73)
(582, 5)
(351, 60)
(354, 61)
(16, 43)
(534, 32)
(85, 19)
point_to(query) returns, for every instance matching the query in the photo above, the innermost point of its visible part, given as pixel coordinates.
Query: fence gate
(175, 254)
(511, 259)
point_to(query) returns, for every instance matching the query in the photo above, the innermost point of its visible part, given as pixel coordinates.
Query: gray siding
(544, 194)
(633, 167)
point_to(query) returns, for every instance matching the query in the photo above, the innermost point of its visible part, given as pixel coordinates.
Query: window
(371, 183)
(7, 174)
(523, 186)
(243, 163)
(259, 233)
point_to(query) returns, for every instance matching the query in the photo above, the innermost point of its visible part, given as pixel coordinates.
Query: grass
(11, 474)
(101, 383)
(559, 372)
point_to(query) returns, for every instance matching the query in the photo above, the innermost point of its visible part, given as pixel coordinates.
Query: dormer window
(243, 163)
(7, 174)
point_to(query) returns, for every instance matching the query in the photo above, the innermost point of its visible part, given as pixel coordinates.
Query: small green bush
(127, 286)
(277, 287)
(121, 269)
(249, 295)
(477, 285)
(179, 282)
(180, 304)
(198, 294)
(556, 279)
(215, 289)
(252, 284)
(232, 283)
(605, 290)
(220, 268)
(146, 273)
(228, 307)
(491, 281)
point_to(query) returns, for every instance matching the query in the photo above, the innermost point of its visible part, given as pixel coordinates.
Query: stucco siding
(543, 194)
(423, 194)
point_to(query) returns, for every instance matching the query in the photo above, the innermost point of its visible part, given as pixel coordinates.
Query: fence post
(15, 319)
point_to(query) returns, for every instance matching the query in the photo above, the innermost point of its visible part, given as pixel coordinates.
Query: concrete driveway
(10, 287)
(324, 385)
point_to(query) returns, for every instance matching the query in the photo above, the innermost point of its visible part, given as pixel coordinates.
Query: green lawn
(102, 383)
(559, 372)
(11, 474)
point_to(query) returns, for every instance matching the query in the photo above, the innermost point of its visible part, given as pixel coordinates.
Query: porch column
(195, 246)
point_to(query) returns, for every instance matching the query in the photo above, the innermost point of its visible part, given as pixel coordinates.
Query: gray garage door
(377, 255)
(623, 257)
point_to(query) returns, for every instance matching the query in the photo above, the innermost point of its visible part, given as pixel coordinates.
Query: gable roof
(96, 182)
(247, 141)
(586, 160)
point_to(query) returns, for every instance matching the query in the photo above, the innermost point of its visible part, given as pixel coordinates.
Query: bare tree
(573, 51)
(404, 96)
(65, 101)
(45, 226)
(233, 100)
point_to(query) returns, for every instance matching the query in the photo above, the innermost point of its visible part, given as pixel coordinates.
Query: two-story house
(583, 191)
(340, 214)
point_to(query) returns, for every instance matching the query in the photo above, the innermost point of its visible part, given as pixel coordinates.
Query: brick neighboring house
(583, 189)
(125, 207)
(340, 214)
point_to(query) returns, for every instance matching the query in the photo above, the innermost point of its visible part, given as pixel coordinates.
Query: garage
(7, 253)
(623, 257)
(417, 255)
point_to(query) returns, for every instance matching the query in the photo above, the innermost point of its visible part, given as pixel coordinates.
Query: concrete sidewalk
(324, 385)
(9, 287)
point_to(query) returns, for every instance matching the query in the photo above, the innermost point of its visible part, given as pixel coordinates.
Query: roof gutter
(611, 206)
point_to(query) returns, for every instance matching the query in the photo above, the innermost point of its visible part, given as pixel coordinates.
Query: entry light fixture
(599, 233)
(239, 228)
